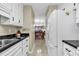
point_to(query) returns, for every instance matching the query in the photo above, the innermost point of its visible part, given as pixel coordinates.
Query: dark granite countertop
(12, 36)
(73, 43)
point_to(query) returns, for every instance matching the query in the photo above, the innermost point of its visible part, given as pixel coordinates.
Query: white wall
(68, 29)
(28, 25)
(39, 10)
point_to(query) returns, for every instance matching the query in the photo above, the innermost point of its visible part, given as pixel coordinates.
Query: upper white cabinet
(77, 13)
(17, 15)
(20, 14)
(14, 14)
(5, 10)
(15, 11)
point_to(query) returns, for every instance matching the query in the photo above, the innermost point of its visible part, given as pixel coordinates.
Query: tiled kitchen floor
(40, 48)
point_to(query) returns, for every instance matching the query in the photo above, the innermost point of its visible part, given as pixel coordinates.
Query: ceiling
(39, 9)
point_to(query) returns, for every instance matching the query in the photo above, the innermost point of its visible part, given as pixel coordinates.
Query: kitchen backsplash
(4, 30)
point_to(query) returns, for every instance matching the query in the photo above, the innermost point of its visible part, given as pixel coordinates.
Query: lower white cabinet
(19, 49)
(12, 50)
(25, 46)
(69, 50)
(18, 53)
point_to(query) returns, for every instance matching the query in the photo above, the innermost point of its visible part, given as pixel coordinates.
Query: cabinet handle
(56, 46)
(9, 21)
(26, 53)
(26, 40)
(68, 50)
(26, 45)
(19, 21)
(13, 18)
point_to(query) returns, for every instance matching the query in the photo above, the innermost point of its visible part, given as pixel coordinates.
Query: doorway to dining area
(39, 33)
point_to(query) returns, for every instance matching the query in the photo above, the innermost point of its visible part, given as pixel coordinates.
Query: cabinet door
(20, 13)
(5, 11)
(12, 50)
(18, 52)
(77, 13)
(8, 10)
(25, 46)
(7, 5)
(69, 50)
(0, 54)
(14, 14)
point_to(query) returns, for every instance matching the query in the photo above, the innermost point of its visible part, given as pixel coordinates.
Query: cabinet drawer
(25, 42)
(25, 51)
(25, 45)
(14, 52)
(18, 52)
(25, 48)
(24, 54)
(11, 50)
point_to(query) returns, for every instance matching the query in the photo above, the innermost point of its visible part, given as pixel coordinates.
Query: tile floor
(40, 48)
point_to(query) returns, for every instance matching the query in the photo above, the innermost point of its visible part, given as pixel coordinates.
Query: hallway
(40, 48)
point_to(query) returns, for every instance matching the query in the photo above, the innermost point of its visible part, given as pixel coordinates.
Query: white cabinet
(13, 50)
(20, 14)
(69, 50)
(13, 12)
(19, 53)
(19, 49)
(17, 14)
(25, 46)
(6, 7)
(77, 13)
(4, 10)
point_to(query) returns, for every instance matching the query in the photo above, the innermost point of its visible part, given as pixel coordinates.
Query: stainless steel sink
(5, 42)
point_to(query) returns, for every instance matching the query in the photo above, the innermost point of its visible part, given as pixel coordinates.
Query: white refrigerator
(51, 34)
(60, 26)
